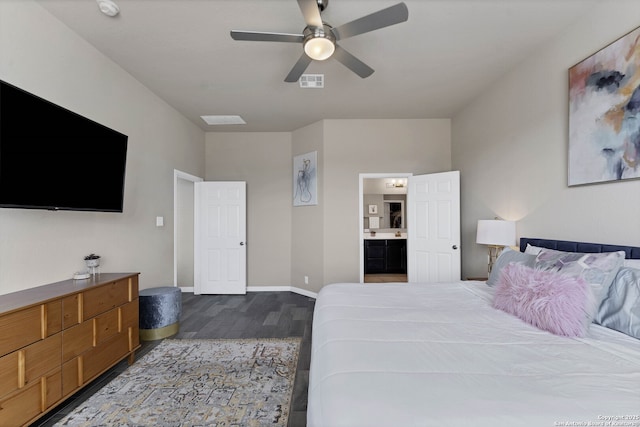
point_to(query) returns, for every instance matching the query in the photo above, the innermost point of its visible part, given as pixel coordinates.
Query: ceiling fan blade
(380, 19)
(310, 12)
(352, 63)
(258, 36)
(298, 69)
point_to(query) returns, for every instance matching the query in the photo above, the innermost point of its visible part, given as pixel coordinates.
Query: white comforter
(439, 355)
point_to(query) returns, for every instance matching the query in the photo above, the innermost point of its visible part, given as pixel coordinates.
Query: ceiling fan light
(319, 48)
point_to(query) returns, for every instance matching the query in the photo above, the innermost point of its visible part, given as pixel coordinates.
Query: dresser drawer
(22, 406)
(42, 357)
(130, 314)
(107, 325)
(96, 360)
(71, 311)
(104, 298)
(20, 329)
(29, 325)
(71, 379)
(8, 373)
(53, 318)
(77, 340)
(130, 318)
(24, 367)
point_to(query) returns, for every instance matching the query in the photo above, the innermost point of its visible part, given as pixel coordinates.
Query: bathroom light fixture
(496, 234)
(319, 43)
(397, 183)
(108, 7)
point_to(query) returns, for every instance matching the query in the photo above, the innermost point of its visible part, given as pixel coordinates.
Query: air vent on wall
(312, 81)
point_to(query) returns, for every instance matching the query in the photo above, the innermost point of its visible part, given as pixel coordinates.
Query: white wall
(511, 147)
(352, 147)
(43, 56)
(308, 224)
(321, 242)
(263, 160)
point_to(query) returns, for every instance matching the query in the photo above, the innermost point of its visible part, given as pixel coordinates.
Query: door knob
(454, 247)
(241, 243)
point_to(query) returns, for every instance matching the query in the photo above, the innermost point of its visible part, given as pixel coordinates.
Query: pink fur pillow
(558, 303)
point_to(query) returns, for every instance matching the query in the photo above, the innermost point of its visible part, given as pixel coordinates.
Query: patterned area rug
(199, 383)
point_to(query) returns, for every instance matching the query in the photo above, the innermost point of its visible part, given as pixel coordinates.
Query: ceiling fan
(319, 39)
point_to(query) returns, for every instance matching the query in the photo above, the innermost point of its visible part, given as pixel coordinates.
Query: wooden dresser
(56, 338)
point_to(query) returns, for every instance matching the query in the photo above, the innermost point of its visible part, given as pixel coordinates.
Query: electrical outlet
(306, 280)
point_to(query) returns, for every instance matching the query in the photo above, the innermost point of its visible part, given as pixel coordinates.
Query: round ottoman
(160, 310)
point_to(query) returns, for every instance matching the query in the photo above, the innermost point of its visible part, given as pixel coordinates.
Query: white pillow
(620, 309)
(632, 263)
(508, 256)
(533, 250)
(598, 269)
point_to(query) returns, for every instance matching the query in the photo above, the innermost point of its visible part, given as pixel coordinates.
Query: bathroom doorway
(383, 227)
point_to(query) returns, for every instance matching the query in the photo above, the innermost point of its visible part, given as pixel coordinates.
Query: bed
(402, 354)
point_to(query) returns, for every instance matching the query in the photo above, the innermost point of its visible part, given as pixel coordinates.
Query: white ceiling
(447, 53)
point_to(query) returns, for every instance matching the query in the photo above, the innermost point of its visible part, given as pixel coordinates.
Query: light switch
(159, 221)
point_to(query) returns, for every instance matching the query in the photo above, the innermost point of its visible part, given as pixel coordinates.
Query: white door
(433, 246)
(220, 259)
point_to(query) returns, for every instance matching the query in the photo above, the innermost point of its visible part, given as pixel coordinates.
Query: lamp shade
(496, 232)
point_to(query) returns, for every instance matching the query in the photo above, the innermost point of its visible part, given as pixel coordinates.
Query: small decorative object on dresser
(93, 262)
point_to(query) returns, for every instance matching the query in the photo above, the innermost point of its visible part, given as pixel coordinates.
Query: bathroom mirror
(394, 213)
(389, 198)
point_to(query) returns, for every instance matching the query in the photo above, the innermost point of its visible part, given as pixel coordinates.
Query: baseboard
(293, 289)
(304, 292)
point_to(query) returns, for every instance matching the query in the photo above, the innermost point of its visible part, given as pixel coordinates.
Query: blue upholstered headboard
(631, 252)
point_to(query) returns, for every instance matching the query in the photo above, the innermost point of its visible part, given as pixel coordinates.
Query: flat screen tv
(52, 158)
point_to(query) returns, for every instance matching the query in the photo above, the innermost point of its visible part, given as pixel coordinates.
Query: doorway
(432, 235)
(183, 229)
(189, 269)
(383, 227)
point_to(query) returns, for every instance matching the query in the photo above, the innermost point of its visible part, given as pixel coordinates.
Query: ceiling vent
(223, 120)
(312, 81)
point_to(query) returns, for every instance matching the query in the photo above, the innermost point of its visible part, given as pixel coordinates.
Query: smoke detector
(108, 7)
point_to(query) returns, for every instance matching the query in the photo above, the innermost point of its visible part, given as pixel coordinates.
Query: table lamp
(496, 234)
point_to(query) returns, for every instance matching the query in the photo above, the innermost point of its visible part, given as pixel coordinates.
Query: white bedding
(439, 355)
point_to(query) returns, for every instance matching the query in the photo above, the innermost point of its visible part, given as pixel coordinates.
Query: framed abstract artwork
(305, 179)
(604, 114)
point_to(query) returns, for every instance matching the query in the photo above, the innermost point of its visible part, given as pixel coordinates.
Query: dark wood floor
(254, 315)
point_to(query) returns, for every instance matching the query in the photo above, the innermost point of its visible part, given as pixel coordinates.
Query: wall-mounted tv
(52, 158)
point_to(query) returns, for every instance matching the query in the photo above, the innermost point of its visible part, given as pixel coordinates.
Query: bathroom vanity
(385, 253)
